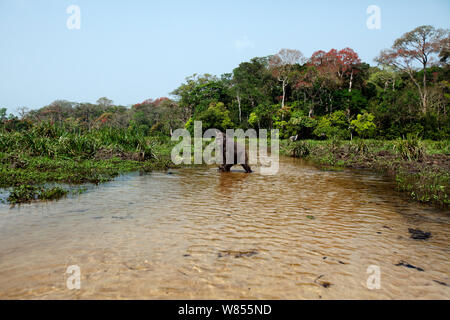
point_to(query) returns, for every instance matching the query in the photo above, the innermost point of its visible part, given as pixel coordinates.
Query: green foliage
(53, 141)
(364, 125)
(190, 125)
(333, 126)
(23, 193)
(253, 120)
(299, 149)
(3, 114)
(410, 149)
(27, 193)
(199, 91)
(251, 82)
(215, 117)
(301, 124)
(52, 193)
(268, 114)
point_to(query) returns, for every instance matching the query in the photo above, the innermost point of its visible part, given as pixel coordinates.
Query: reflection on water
(201, 234)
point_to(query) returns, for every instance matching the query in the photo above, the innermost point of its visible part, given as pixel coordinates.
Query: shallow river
(301, 234)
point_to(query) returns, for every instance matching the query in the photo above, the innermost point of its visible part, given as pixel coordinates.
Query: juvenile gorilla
(239, 155)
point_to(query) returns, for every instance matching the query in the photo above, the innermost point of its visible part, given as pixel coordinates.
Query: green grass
(51, 154)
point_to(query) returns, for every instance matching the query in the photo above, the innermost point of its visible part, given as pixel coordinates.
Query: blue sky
(131, 50)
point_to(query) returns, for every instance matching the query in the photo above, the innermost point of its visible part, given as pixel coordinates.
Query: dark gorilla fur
(224, 167)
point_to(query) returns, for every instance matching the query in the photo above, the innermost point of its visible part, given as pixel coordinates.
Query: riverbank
(421, 169)
(31, 161)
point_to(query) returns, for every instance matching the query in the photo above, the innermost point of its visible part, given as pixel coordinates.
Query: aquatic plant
(27, 193)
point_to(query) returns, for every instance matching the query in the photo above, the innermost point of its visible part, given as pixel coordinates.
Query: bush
(216, 117)
(301, 124)
(333, 126)
(299, 149)
(410, 149)
(364, 125)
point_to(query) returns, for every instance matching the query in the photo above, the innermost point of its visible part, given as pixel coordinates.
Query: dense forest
(332, 94)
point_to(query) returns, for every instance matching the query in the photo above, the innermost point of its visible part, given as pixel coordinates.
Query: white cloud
(244, 43)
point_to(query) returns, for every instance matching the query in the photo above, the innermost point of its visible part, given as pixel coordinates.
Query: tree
(384, 78)
(215, 117)
(311, 82)
(334, 125)
(301, 125)
(321, 78)
(445, 51)
(104, 102)
(170, 115)
(348, 64)
(3, 114)
(327, 72)
(282, 66)
(364, 125)
(161, 115)
(87, 113)
(247, 85)
(263, 116)
(420, 45)
(22, 111)
(56, 111)
(197, 93)
(337, 64)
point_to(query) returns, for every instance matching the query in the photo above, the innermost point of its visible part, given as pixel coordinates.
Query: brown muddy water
(198, 234)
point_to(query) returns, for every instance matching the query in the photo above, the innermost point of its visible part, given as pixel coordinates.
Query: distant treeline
(332, 94)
